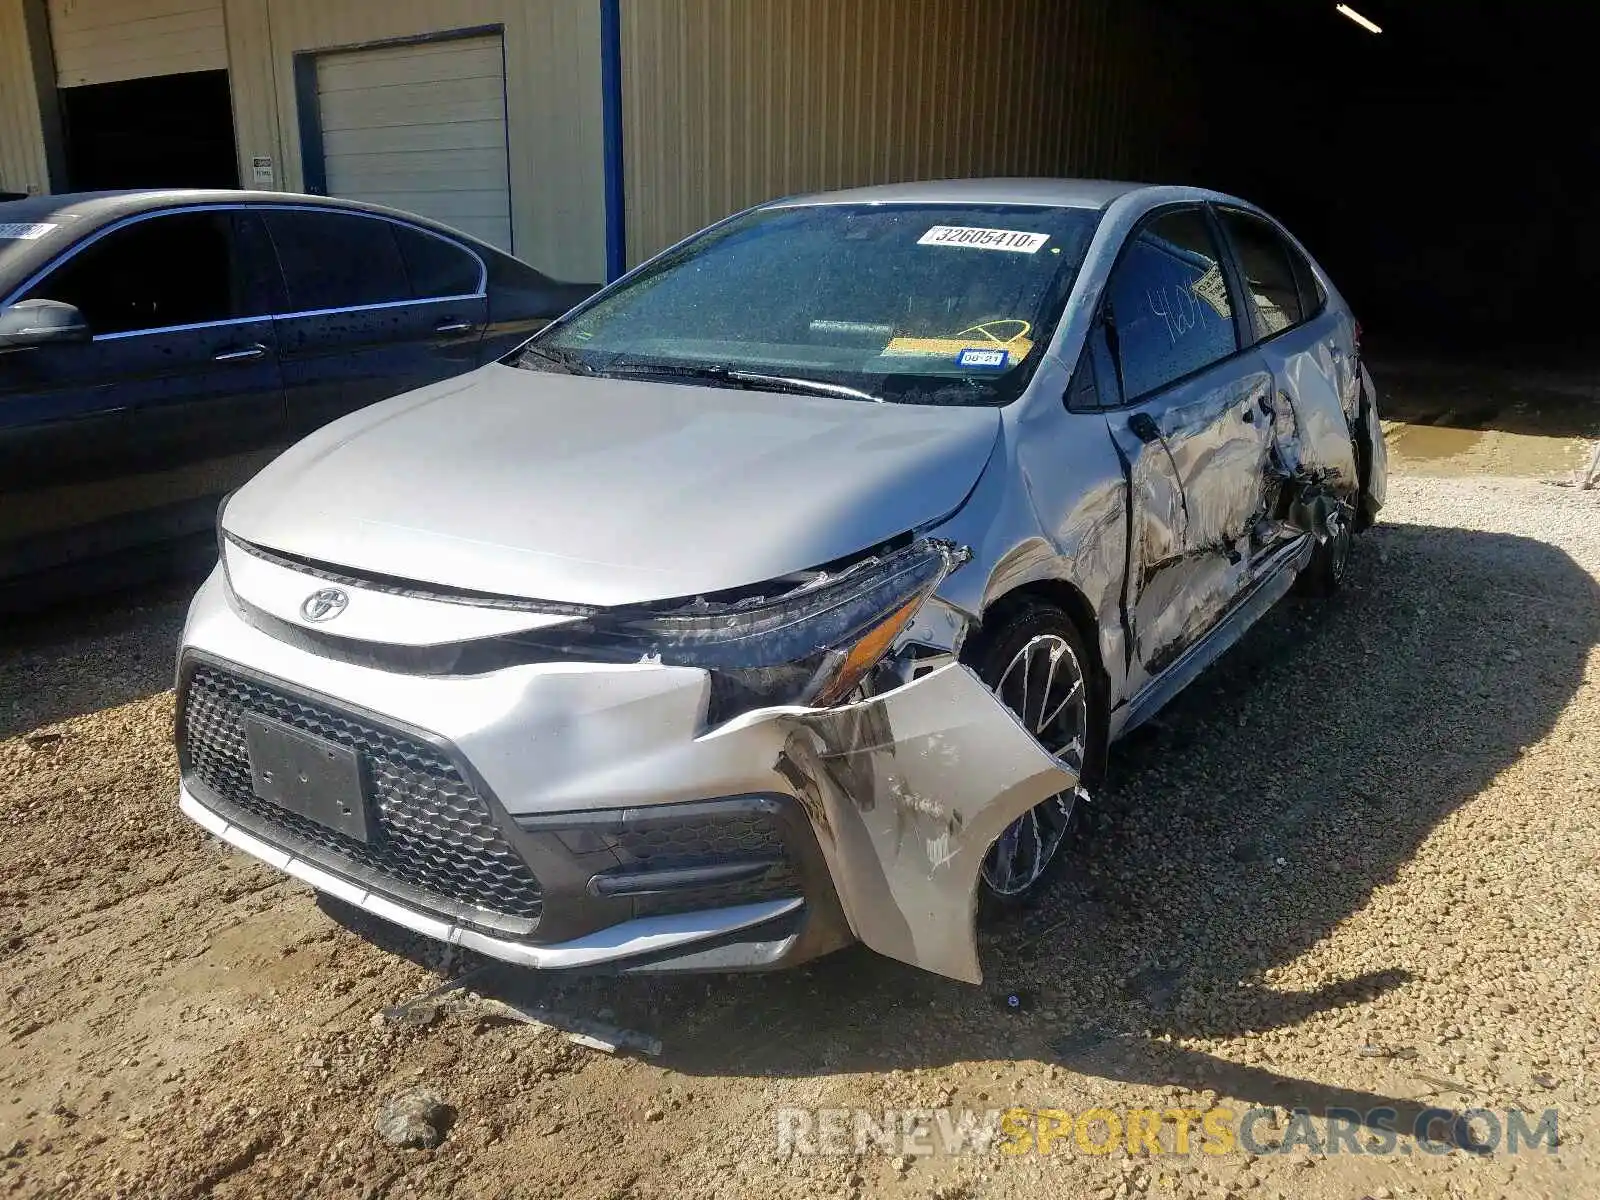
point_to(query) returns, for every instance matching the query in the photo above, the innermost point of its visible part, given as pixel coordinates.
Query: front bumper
(865, 821)
(763, 934)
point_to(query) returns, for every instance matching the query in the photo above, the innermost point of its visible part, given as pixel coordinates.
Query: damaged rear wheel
(1330, 561)
(1038, 666)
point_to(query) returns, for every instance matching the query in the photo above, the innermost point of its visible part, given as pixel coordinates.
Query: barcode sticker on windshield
(26, 233)
(973, 238)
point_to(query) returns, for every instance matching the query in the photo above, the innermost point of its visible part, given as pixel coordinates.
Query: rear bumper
(1374, 456)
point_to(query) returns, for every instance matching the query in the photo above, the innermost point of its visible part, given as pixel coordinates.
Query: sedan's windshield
(915, 304)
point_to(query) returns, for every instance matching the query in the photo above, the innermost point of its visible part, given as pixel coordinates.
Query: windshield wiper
(755, 380)
(814, 387)
(564, 362)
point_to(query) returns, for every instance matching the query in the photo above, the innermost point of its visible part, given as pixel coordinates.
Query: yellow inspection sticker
(1010, 335)
(969, 237)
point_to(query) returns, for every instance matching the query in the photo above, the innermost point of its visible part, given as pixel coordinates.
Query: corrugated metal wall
(552, 100)
(105, 41)
(725, 102)
(730, 102)
(22, 160)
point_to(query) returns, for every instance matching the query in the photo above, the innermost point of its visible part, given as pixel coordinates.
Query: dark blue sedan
(156, 348)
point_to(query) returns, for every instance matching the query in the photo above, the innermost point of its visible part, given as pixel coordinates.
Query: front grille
(658, 843)
(434, 838)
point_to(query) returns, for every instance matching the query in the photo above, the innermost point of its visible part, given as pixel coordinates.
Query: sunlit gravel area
(1355, 867)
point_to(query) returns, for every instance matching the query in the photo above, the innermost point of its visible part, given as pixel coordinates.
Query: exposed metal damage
(765, 649)
(907, 790)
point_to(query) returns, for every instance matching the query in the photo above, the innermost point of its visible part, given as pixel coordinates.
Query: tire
(1329, 567)
(1025, 859)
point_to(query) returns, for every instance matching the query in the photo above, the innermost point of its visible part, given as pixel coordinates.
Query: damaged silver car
(788, 592)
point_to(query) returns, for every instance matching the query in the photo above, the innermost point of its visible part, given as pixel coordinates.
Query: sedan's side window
(1269, 269)
(155, 273)
(337, 260)
(1168, 312)
(437, 267)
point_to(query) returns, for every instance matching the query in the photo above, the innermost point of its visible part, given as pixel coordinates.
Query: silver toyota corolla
(789, 591)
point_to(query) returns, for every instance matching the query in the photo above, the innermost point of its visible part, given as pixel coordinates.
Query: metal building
(581, 134)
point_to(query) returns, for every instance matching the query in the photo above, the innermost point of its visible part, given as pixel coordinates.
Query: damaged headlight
(811, 644)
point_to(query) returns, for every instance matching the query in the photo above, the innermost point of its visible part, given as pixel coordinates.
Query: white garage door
(421, 128)
(106, 41)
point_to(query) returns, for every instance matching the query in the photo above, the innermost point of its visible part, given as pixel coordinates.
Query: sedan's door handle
(453, 327)
(243, 354)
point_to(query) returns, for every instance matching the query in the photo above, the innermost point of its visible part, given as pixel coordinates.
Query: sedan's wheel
(1330, 561)
(1037, 667)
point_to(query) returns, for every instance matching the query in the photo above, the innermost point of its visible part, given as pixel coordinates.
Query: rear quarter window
(437, 267)
(1283, 290)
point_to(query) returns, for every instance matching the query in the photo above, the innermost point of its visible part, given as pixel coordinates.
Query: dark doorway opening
(166, 131)
(1439, 169)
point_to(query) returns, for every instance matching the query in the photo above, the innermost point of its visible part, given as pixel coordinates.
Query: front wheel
(1038, 667)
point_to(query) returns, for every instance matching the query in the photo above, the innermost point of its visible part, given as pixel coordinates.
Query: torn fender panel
(907, 792)
(1324, 449)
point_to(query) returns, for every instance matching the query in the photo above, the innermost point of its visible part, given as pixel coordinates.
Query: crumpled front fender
(907, 791)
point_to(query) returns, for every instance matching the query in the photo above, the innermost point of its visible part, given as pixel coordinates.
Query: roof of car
(72, 214)
(101, 206)
(1063, 193)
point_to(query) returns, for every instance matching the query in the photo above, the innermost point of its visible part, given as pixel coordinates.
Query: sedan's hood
(599, 491)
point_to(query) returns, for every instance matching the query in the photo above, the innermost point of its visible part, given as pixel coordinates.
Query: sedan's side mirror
(41, 323)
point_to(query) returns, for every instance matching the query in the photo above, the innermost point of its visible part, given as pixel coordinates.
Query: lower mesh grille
(434, 838)
(677, 843)
(666, 842)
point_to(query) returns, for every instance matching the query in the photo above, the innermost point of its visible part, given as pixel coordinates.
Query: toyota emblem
(324, 605)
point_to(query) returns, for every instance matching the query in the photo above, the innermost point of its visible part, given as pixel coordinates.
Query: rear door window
(437, 267)
(159, 272)
(1276, 281)
(1168, 303)
(338, 260)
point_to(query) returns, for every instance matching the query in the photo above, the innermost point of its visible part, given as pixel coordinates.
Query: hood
(603, 491)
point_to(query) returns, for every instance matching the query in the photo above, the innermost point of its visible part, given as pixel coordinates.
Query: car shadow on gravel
(1259, 811)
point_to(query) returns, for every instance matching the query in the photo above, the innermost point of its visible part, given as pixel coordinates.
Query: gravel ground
(1355, 865)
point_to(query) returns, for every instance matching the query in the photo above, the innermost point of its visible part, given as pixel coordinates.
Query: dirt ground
(1356, 865)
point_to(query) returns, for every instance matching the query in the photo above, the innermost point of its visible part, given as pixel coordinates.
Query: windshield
(914, 304)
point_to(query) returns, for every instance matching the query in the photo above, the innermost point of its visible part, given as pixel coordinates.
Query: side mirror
(41, 323)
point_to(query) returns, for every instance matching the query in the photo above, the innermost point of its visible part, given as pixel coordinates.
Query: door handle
(453, 327)
(243, 354)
